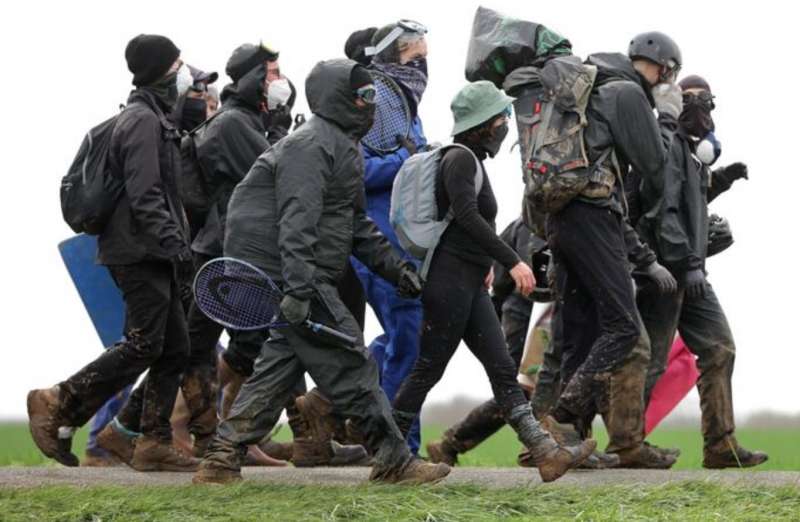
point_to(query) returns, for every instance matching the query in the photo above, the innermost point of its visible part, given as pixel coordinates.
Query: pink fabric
(677, 381)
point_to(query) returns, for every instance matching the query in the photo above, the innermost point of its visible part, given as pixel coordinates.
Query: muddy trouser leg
(156, 338)
(486, 419)
(589, 241)
(660, 314)
(258, 406)
(548, 379)
(705, 330)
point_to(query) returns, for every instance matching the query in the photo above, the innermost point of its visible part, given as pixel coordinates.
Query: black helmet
(656, 47)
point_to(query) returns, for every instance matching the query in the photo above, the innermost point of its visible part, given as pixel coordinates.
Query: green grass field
(253, 501)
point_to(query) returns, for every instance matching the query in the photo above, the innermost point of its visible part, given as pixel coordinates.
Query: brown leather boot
(644, 457)
(231, 382)
(152, 454)
(44, 421)
(117, 443)
(728, 454)
(277, 450)
(415, 471)
(221, 465)
(442, 451)
(99, 459)
(560, 460)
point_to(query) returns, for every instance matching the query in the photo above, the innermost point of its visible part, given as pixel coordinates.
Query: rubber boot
(48, 427)
(552, 460)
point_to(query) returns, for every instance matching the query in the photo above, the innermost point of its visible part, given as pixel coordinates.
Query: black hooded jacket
(149, 222)
(299, 213)
(675, 207)
(620, 115)
(231, 143)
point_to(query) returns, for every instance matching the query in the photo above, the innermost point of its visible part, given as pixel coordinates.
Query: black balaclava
(483, 139)
(165, 89)
(695, 119)
(149, 57)
(359, 77)
(193, 113)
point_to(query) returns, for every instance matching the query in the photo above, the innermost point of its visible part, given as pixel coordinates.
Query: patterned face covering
(413, 80)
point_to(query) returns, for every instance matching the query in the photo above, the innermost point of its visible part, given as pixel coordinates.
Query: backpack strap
(450, 215)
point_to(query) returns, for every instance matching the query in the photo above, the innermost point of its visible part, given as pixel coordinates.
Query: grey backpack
(413, 214)
(554, 151)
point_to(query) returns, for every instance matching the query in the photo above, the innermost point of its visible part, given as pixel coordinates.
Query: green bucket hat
(476, 103)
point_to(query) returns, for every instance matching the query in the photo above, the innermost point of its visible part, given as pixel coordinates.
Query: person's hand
(695, 283)
(736, 171)
(488, 281)
(523, 278)
(295, 310)
(668, 98)
(183, 267)
(407, 144)
(664, 280)
(409, 285)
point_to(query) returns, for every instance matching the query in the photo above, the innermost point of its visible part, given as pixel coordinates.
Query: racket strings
(237, 295)
(392, 117)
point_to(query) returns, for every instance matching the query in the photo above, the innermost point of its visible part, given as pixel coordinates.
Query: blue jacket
(379, 174)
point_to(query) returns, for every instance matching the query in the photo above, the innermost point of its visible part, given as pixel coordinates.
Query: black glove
(409, 285)
(407, 144)
(295, 310)
(183, 267)
(666, 283)
(695, 283)
(735, 171)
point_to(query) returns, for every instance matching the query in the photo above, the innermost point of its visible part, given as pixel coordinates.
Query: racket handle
(317, 327)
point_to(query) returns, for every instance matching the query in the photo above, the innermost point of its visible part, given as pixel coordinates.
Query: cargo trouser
(704, 328)
(347, 376)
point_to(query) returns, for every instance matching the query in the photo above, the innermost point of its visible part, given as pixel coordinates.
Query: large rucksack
(89, 191)
(413, 213)
(554, 150)
(193, 183)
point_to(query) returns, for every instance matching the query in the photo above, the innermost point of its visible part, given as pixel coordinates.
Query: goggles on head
(403, 26)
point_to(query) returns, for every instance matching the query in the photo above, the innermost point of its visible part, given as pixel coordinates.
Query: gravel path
(23, 477)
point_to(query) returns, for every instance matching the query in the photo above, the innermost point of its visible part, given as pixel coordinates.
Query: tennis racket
(240, 296)
(392, 116)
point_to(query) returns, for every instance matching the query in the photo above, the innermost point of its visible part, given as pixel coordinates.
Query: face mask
(166, 89)
(695, 119)
(366, 119)
(278, 93)
(184, 80)
(492, 143)
(194, 113)
(420, 64)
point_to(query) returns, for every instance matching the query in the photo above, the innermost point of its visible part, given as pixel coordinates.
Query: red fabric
(677, 381)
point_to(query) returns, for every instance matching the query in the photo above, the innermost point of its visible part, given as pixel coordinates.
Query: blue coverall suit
(397, 348)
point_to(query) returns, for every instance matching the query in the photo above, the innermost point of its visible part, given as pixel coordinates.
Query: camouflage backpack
(556, 168)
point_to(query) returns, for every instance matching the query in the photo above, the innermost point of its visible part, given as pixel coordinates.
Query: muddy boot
(222, 463)
(256, 457)
(414, 471)
(313, 428)
(600, 460)
(644, 457)
(231, 382)
(728, 454)
(99, 458)
(153, 454)
(277, 450)
(552, 459)
(114, 439)
(45, 423)
(200, 389)
(442, 451)
(672, 452)
(349, 455)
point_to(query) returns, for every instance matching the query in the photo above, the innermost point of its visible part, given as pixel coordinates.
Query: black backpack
(89, 191)
(193, 184)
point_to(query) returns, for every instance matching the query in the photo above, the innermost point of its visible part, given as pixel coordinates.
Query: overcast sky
(64, 71)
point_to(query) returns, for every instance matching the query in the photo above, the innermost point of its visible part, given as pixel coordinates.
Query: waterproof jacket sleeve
(641, 139)
(503, 285)
(300, 180)
(639, 253)
(230, 148)
(675, 245)
(370, 246)
(719, 184)
(458, 174)
(140, 139)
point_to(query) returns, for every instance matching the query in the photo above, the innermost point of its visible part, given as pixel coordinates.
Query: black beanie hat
(357, 42)
(149, 57)
(694, 82)
(247, 57)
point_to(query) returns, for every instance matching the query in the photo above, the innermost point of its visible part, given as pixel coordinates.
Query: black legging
(457, 306)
